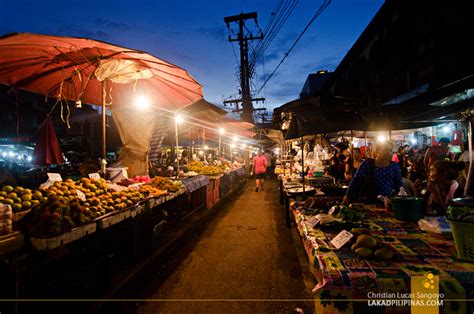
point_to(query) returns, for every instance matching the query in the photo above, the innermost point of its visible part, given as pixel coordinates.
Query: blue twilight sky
(193, 35)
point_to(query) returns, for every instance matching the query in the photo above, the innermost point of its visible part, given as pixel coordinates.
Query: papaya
(364, 252)
(384, 253)
(366, 241)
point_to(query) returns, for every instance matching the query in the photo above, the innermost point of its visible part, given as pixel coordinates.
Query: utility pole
(246, 98)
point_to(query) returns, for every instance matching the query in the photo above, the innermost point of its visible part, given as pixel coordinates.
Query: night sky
(193, 35)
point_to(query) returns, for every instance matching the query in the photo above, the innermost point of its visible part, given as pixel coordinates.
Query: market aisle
(246, 252)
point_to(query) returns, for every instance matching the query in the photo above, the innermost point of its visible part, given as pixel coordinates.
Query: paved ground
(246, 253)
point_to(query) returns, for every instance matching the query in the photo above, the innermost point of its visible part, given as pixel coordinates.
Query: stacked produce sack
(6, 223)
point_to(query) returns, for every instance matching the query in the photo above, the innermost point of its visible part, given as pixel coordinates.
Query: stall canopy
(199, 115)
(308, 117)
(204, 110)
(73, 68)
(93, 72)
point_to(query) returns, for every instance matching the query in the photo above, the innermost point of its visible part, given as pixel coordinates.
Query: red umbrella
(47, 150)
(93, 72)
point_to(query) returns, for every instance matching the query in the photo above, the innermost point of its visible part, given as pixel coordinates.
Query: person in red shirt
(259, 167)
(437, 152)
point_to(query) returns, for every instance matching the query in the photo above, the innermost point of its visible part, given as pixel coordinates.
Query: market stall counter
(323, 189)
(354, 275)
(196, 188)
(230, 180)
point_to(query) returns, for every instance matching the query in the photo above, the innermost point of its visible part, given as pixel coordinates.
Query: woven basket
(463, 234)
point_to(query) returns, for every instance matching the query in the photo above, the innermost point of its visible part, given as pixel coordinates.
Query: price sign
(94, 176)
(342, 238)
(313, 221)
(54, 176)
(81, 195)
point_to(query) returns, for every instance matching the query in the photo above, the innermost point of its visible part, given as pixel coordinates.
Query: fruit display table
(196, 182)
(343, 274)
(291, 190)
(196, 188)
(99, 240)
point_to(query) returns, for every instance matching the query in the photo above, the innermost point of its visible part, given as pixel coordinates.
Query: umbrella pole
(468, 191)
(302, 165)
(104, 160)
(176, 150)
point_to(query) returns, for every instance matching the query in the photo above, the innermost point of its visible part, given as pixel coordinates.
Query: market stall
(352, 273)
(95, 232)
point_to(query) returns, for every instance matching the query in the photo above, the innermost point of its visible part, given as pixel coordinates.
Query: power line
(321, 9)
(273, 29)
(279, 14)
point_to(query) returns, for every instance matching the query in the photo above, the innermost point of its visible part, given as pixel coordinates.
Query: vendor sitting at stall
(379, 176)
(442, 186)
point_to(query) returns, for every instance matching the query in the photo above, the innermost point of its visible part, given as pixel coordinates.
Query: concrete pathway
(243, 262)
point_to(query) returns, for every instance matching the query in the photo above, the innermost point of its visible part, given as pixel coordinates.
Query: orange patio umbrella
(93, 72)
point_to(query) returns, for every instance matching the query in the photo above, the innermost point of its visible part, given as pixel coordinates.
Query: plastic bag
(437, 225)
(402, 192)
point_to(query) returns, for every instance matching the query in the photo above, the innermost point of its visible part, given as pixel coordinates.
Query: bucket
(407, 208)
(117, 174)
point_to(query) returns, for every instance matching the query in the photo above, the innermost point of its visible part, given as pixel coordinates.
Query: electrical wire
(321, 9)
(272, 29)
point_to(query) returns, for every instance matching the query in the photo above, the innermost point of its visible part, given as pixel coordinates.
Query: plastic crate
(463, 234)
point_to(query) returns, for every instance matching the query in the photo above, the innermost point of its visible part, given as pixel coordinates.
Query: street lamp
(142, 102)
(177, 119)
(231, 148)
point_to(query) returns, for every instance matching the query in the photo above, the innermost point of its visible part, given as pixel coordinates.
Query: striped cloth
(157, 136)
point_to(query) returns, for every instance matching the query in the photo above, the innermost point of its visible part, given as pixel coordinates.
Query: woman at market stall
(338, 161)
(379, 176)
(353, 163)
(259, 167)
(442, 186)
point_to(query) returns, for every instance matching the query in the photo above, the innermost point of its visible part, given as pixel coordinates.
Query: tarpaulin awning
(310, 117)
(47, 151)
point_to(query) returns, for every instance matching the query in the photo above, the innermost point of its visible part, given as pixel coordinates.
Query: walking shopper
(259, 167)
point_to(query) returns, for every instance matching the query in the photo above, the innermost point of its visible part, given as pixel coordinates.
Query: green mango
(384, 253)
(364, 252)
(366, 241)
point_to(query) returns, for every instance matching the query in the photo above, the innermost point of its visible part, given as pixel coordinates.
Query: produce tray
(43, 244)
(117, 217)
(18, 216)
(155, 201)
(138, 209)
(11, 242)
